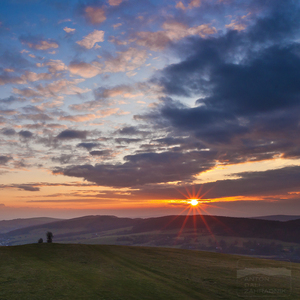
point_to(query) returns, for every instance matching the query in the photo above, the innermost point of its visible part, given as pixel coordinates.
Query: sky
(131, 108)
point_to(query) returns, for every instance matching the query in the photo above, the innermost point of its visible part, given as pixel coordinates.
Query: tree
(49, 235)
(40, 241)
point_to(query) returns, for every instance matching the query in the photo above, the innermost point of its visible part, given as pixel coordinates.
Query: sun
(194, 202)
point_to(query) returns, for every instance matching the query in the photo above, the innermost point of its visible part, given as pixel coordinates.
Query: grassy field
(58, 271)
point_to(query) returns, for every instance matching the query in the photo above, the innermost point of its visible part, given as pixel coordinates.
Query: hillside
(6, 226)
(282, 218)
(274, 239)
(56, 271)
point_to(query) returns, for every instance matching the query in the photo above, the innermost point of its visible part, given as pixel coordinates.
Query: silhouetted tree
(49, 237)
(40, 241)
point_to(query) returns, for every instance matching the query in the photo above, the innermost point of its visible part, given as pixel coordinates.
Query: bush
(40, 241)
(49, 237)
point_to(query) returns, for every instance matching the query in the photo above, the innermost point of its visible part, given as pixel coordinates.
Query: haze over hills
(214, 225)
(213, 233)
(6, 226)
(282, 218)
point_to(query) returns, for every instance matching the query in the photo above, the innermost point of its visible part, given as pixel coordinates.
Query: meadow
(74, 271)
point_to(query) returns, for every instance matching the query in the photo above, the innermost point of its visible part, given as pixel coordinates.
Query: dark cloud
(11, 99)
(4, 159)
(127, 140)
(87, 146)
(72, 134)
(101, 152)
(271, 182)
(26, 187)
(130, 130)
(14, 60)
(63, 159)
(248, 90)
(143, 168)
(25, 134)
(8, 131)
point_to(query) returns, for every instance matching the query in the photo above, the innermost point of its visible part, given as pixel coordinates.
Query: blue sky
(123, 106)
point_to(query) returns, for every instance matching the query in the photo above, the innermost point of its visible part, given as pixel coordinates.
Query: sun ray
(184, 222)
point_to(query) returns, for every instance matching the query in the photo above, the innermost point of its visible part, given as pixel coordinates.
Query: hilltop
(57, 271)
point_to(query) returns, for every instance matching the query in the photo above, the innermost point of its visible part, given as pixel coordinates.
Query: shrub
(49, 237)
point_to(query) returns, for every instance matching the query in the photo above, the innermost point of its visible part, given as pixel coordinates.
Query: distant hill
(6, 226)
(60, 271)
(89, 227)
(282, 218)
(67, 229)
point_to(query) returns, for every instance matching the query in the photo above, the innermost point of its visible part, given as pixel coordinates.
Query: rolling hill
(6, 226)
(282, 218)
(57, 271)
(70, 230)
(260, 238)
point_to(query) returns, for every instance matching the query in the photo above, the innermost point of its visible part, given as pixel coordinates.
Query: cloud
(130, 130)
(23, 79)
(26, 187)
(14, 60)
(63, 86)
(114, 2)
(95, 15)
(4, 159)
(84, 70)
(25, 134)
(127, 140)
(35, 117)
(91, 39)
(101, 152)
(192, 4)
(247, 88)
(39, 44)
(78, 118)
(31, 76)
(117, 25)
(72, 134)
(173, 31)
(8, 79)
(87, 146)
(141, 169)
(69, 30)
(54, 66)
(125, 61)
(10, 100)
(281, 182)
(8, 131)
(63, 159)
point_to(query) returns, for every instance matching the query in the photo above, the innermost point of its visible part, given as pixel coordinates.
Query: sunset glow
(148, 108)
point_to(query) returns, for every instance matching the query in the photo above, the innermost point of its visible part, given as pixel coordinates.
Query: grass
(58, 271)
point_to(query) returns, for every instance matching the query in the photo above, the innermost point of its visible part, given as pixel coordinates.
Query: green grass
(68, 271)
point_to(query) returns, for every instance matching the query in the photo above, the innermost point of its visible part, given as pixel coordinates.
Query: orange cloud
(114, 2)
(84, 69)
(173, 31)
(78, 118)
(69, 30)
(95, 15)
(91, 39)
(43, 45)
(192, 4)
